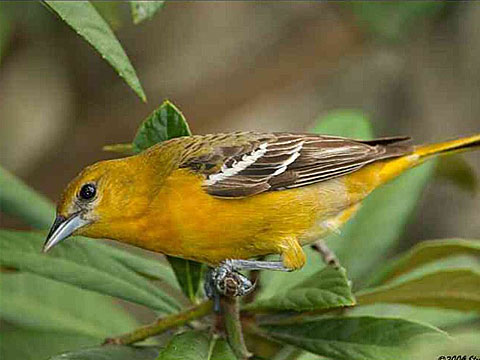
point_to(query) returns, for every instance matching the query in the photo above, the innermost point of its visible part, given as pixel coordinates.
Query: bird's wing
(254, 163)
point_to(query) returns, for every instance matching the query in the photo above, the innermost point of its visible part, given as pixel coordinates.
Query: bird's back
(244, 164)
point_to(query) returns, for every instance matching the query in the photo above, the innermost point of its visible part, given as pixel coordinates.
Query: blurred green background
(411, 67)
(276, 66)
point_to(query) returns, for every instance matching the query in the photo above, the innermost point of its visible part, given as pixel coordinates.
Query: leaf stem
(162, 325)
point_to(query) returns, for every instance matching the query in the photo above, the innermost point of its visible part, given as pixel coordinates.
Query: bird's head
(102, 195)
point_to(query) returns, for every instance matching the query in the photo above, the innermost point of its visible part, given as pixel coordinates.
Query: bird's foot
(225, 280)
(230, 282)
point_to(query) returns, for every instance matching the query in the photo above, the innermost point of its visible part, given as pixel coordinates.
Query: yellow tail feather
(448, 147)
(393, 168)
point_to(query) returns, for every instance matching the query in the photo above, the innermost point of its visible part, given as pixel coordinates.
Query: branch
(162, 325)
(233, 326)
(328, 255)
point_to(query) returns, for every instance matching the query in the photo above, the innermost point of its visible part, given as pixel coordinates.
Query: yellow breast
(211, 229)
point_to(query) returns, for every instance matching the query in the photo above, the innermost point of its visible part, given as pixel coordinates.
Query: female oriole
(223, 199)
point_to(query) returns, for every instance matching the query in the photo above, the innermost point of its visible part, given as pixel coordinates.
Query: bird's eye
(87, 192)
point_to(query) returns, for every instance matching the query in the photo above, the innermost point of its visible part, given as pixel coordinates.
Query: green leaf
(166, 122)
(448, 263)
(424, 253)
(110, 11)
(441, 318)
(458, 171)
(24, 344)
(221, 350)
(18, 199)
(451, 289)
(87, 22)
(352, 338)
(329, 288)
(310, 356)
(347, 123)
(40, 304)
(143, 10)
(463, 343)
(188, 275)
(112, 352)
(289, 352)
(88, 267)
(191, 345)
(196, 345)
(50, 317)
(152, 269)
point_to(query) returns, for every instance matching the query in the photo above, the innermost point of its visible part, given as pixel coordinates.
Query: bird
(226, 199)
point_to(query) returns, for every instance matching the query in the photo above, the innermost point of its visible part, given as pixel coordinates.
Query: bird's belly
(325, 227)
(210, 229)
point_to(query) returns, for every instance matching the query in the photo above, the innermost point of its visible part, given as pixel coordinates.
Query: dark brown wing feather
(257, 163)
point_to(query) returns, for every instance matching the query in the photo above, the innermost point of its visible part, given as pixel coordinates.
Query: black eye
(87, 192)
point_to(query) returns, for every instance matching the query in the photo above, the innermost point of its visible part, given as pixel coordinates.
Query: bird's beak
(62, 228)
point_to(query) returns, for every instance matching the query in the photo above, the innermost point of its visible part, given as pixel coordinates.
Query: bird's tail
(394, 167)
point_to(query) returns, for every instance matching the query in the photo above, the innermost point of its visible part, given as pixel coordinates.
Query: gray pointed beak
(62, 228)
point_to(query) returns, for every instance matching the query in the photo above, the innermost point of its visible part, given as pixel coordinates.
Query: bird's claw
(227, 281)
(232, 283)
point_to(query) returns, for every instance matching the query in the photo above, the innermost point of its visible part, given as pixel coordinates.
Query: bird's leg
(211, 289)
(327, 255)
(236, 264)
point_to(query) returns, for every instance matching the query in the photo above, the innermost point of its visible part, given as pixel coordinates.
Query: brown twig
(328, 255)
(162, 325)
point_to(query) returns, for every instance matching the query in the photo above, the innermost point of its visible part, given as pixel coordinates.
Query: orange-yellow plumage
(189, 199)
